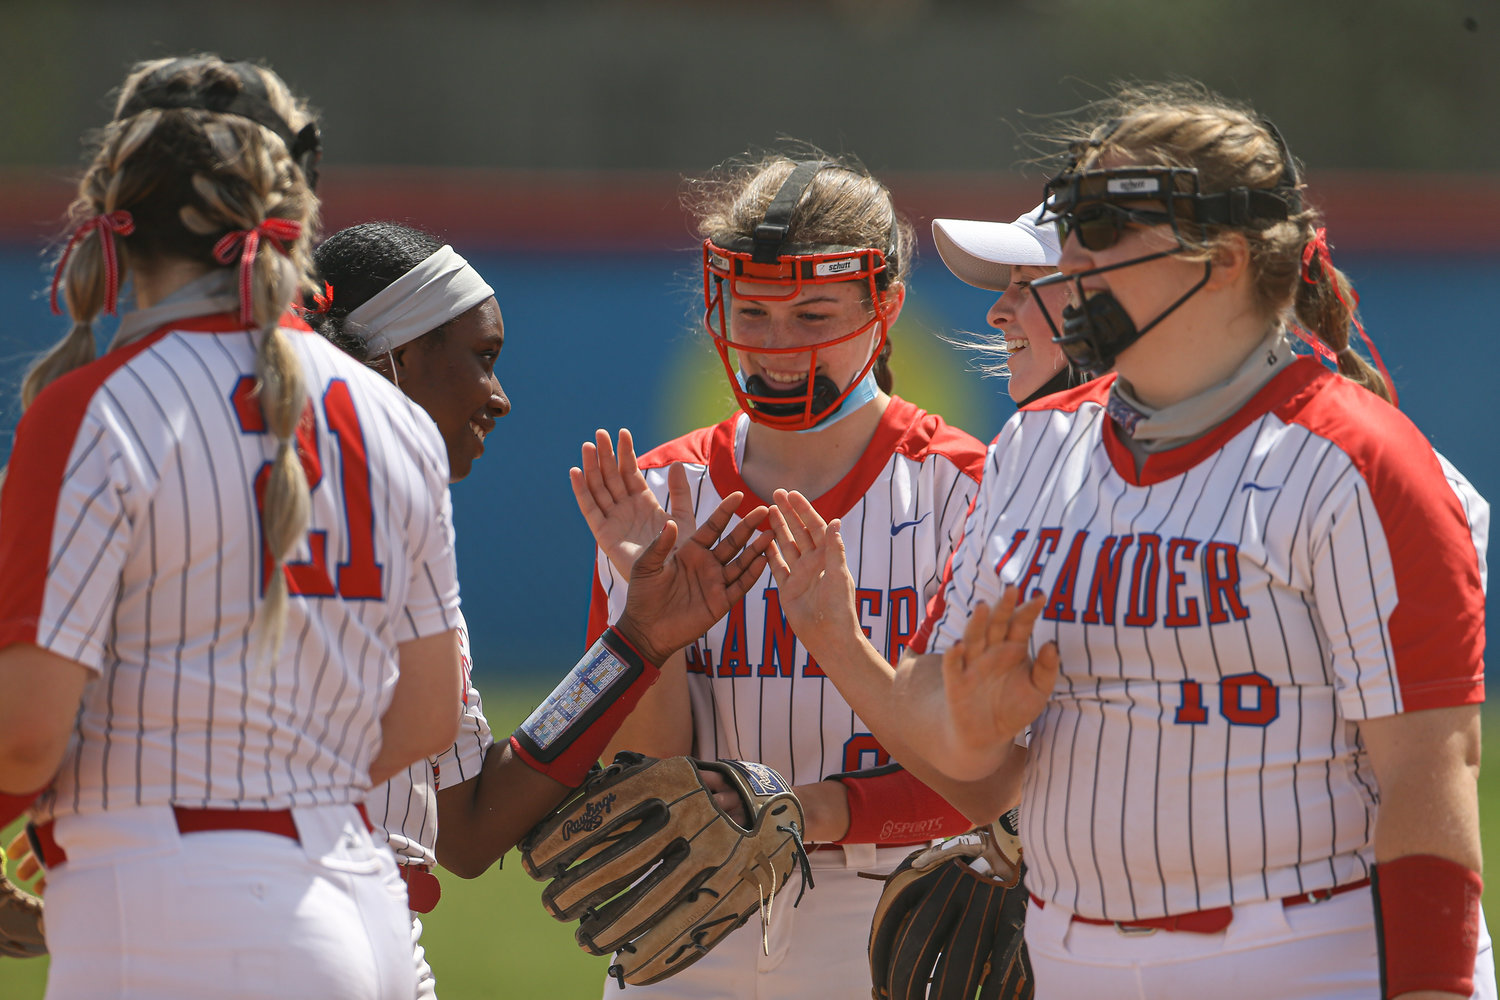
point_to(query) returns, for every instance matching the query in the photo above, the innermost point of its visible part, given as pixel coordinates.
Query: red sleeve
(33, 482)
(888, 805)
(1437, 626)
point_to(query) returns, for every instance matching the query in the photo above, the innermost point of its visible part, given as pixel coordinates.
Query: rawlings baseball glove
(946, 930)
(21, 934)
(652, 869)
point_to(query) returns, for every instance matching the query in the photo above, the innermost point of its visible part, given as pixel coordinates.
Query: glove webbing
(617, 971)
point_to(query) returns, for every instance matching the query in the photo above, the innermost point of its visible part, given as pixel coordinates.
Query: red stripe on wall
(628, 211)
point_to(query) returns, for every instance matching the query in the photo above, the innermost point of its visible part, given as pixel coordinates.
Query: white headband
(440, 288)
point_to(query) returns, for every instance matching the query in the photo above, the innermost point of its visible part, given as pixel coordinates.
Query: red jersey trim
(225, 322)
(1070, 400)
(939, 601)
(1297, 378)
(1437, 626)
(38, 462)
(904, 429)
(44, 441)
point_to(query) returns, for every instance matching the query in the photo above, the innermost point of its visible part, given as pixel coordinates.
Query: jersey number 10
(358, 577)
(1235, 692)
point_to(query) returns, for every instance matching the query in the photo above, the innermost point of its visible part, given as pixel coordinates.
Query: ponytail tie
(322, 302)
(277, 232)
(107, 225)
(1317, 250)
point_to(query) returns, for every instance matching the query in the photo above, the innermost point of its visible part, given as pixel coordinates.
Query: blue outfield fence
(598, 340)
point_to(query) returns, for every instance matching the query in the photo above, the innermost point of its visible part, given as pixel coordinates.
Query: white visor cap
(982, 253)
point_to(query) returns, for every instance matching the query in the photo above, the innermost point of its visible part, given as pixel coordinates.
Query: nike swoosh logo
(896, 529)
(1258, 486)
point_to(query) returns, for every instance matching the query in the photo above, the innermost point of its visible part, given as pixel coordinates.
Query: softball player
(416, 311)
(1007, 257)
(1254, 720)
(804, 267)
(220, 539)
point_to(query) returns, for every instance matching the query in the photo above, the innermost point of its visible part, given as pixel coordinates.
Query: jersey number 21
(360, 576)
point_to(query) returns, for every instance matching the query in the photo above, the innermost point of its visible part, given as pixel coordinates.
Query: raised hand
(993, 687)
(621, 511)
(677, 590)
(811, 571)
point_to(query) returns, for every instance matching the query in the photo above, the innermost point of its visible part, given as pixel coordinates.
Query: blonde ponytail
(287, 505)
(187, 175)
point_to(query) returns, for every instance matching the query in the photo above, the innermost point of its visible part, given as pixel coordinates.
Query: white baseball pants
(140, 911)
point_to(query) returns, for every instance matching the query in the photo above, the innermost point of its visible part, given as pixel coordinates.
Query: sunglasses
(1100, 224)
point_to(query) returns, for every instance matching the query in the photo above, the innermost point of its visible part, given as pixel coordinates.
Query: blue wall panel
(597, 341)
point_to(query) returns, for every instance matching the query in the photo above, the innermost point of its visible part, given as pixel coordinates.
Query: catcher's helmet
(766, 258)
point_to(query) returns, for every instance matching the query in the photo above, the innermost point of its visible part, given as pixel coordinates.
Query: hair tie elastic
(1317, 249)
(108, 225)
(277, 232)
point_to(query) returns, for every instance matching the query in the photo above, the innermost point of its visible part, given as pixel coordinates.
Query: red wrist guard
(888, 805)
(566, 734)
(1426, 924)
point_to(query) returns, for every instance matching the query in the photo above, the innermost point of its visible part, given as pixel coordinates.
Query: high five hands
(620, 509)
(993, 686)
(683, 578)
(812, 573)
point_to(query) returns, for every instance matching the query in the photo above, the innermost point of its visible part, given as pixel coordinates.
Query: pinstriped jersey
(130, 532)
(1225, 617)
(756, 694)
(404, 809)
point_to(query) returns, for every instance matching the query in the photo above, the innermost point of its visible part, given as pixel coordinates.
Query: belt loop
(859, 855)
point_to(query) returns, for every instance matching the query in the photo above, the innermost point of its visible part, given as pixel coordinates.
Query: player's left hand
(811, 571)
(993, 686)
(677, 591)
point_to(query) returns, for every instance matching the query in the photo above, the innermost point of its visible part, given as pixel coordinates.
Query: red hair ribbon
(1317, 249)
(277, 232)
(322, 302)
(119, 222)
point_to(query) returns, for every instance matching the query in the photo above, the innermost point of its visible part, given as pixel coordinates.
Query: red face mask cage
(795, 272)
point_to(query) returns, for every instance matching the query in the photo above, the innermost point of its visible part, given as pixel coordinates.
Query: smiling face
(1031, 356)
(450, 373)
(793, 330)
